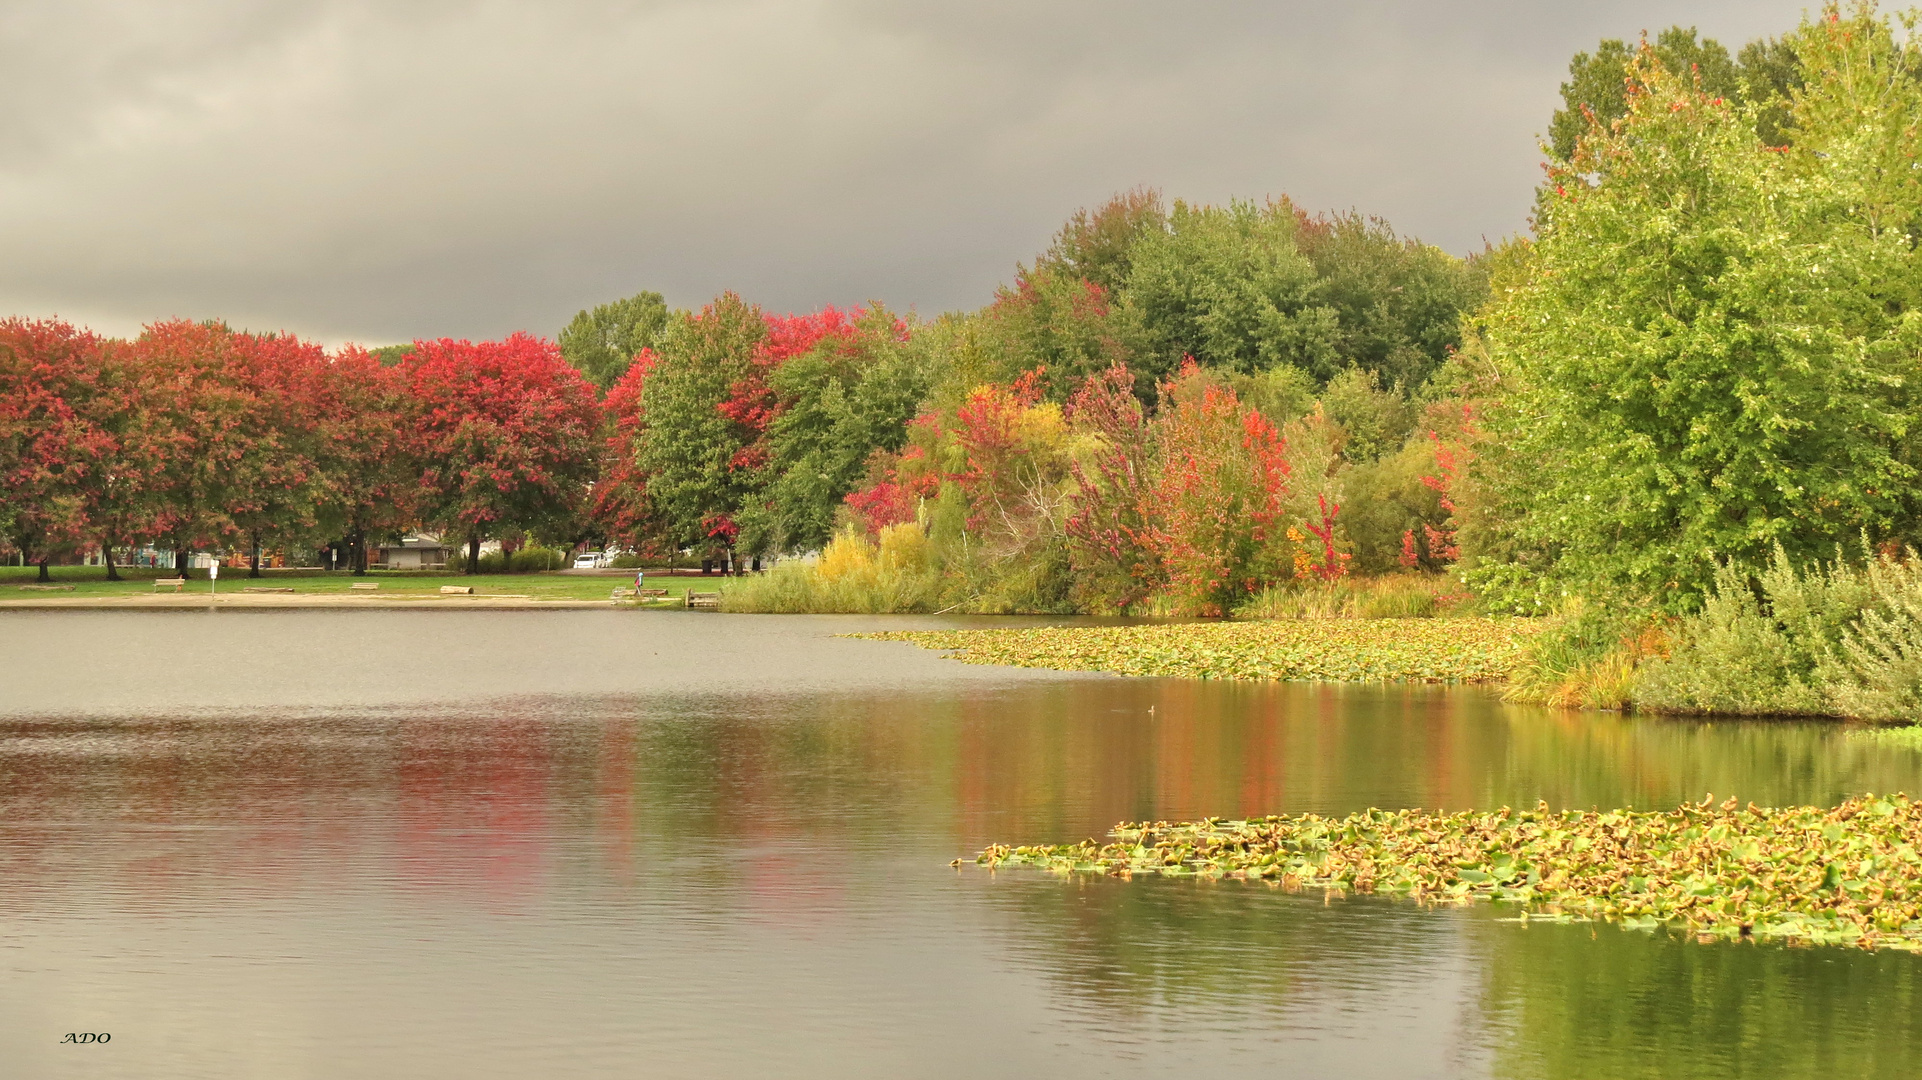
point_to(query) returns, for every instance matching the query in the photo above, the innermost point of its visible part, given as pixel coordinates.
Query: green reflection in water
(1578, 1002)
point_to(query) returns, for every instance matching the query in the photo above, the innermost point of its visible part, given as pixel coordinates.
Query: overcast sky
(378, 172)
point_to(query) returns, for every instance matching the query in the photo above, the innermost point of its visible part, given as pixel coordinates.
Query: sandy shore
(202, 600)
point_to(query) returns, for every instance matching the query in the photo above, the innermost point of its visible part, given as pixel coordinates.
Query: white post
(213, 576)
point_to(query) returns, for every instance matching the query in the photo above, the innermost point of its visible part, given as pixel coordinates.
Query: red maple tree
(620, 505)
(507, 436)
(51, 450)
(363, 413)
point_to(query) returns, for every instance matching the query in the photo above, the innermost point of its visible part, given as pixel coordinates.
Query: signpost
(213, 577)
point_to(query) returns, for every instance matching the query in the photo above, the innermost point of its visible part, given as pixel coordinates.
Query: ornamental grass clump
(1391, 596)
(852, 575)
(1805, 875)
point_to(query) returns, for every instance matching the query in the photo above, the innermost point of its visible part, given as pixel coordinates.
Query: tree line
(733, 432)
(1704, 348)
(194, 435)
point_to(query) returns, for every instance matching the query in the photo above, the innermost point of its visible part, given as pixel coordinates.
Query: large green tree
(1228, 286)
(689, 446)
(843, 400)
(1716, 349)
(1763, 74)
(1398, 302)
(603, 341)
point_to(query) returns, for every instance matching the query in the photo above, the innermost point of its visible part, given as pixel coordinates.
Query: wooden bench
(365, 585)
(705, 601)
(162, 582)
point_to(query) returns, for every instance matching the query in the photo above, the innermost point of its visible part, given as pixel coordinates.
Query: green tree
(1771, 74)
(1398, 302)
(1228, 286)
(1065, 326)
(1373, 419)
(1099, 246)
(1765, 73)
(1717, 347)
(844, 400)
(1597, 86)
(601, 343)
(688, 449)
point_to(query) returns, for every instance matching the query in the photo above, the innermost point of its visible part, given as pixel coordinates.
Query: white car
(588, 560)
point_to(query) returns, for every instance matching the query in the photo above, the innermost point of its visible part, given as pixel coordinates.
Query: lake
(666, 844)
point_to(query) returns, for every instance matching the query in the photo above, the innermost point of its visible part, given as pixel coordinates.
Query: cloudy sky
(382, 171)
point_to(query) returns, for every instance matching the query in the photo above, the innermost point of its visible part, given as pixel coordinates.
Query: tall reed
(1392, 596)
(853, 575)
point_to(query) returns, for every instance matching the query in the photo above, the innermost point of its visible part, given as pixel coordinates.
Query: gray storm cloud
(378, 172)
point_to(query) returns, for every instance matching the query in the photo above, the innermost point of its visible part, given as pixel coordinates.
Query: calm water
(507, 844)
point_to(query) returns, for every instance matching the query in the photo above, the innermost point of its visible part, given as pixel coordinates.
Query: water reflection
(1599, 1002)
(717, 878)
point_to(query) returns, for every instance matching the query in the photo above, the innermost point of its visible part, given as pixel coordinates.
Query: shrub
(1878, 672)
(1831, 640)
(1388, 503)
(525, 560)
(1757, 647)
(1220, 496)
(853, 575)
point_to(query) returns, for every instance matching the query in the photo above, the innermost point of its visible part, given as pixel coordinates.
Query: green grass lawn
(91, 581)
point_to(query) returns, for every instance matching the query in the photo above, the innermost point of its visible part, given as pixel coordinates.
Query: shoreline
(255, 601)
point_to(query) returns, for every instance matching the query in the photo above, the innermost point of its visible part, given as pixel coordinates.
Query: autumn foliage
(505, 435)
(193, 435)
(1058, 450)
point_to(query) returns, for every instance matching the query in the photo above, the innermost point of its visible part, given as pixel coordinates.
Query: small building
(414, 552)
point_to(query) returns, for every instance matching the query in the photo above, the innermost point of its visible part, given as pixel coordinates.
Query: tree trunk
(180, 561)
(473, 553)
(106, 556)
(357, 551)
(44, 576)
(254, 570)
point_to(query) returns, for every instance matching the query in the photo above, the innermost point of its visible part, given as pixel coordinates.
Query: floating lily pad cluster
(1850, 875)
(1345, 650)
